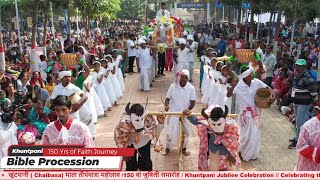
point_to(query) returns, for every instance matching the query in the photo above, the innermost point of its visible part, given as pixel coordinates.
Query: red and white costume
(308, 146)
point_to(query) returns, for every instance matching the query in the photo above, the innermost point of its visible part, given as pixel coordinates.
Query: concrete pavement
(275, 133)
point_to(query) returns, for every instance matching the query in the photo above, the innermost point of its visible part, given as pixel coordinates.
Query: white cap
(182, 41)
(185, 33)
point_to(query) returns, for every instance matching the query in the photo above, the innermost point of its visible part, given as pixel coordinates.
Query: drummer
(66, 88)
(249, 117)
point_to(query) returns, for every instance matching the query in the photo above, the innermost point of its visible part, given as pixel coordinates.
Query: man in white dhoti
(181, 97)
(183, 54)
(163, 12)
(192, 45)
(8, 135)
(144, 57)
(249, 117)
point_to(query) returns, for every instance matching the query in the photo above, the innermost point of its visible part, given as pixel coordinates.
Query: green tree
(131, 9)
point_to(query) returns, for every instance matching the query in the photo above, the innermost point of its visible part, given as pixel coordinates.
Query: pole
(223, 13)
(175, 9)
(77, 21)
(257, 34)
(52, 26)
(18, 24)
(293, 27)
(66, 20)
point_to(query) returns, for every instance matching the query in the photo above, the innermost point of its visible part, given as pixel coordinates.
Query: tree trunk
(33, 64)
(229, 19)
(44, 40)
(251, 28)
(239, 17)
(2, 56)
(69, 20)
(269, 28)
(276, 34)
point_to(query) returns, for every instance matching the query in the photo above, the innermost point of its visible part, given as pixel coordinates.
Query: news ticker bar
(17, 150)
(61, 162)
(287, 175)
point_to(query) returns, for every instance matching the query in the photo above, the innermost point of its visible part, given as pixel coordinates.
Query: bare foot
(116, 104)
(185, 152)
(109, 109)
(166, 152)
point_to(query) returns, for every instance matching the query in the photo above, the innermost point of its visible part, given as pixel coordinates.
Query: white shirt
(183, 55)
(67, 91)
(8, 137)
(260, 52)
(245, 94)
(238, 44)
(180, 97)
(192, 47)
(162, 13)
(145, 60)
(131, 51)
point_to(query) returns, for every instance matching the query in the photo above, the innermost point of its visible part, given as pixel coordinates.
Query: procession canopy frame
(181, 131)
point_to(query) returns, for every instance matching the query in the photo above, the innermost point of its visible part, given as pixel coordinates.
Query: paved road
(275, 133)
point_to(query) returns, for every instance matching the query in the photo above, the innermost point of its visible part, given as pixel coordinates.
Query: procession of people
(61, 104)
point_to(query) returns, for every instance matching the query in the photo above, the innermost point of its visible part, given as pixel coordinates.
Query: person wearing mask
(304, 94)
(269, 60)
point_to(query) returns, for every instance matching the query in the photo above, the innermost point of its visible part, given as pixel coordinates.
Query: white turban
(63, 74)
(185, 72)
(182, 41)
(190, 37)
(185, 33)
(141, 41)
(247, 72)
(179, 74)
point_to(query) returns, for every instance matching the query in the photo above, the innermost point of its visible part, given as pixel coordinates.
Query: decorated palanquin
(166, 29)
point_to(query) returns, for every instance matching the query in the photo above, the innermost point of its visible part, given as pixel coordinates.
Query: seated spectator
(50, 84)
(37, 116)
(36, 80)
(279, 88)
(287, 106)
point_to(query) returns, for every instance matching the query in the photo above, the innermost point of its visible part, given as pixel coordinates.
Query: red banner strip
(88, 151)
